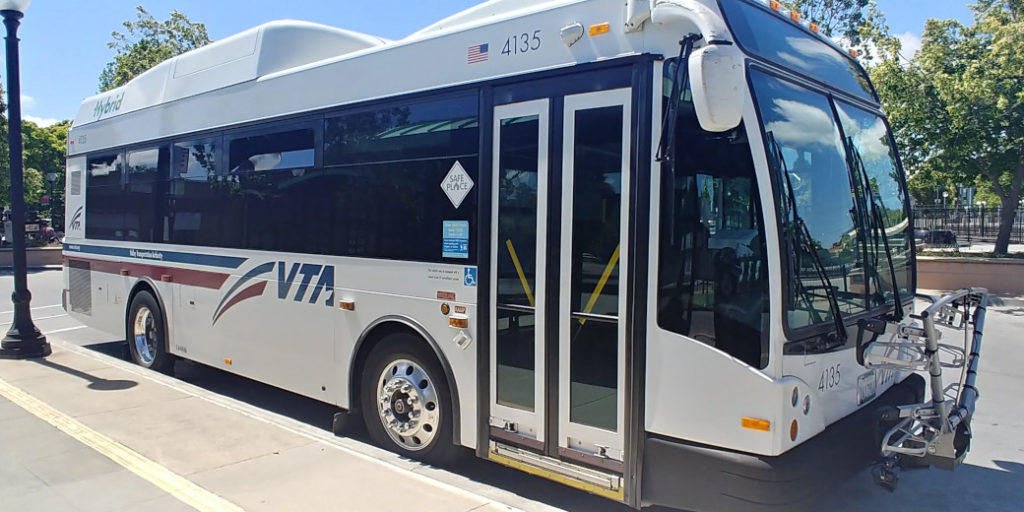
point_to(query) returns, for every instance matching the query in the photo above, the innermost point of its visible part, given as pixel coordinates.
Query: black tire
(146, 334)
(424, 411)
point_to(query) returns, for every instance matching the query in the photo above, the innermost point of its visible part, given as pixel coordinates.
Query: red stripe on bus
(253, 291)
(200, 278)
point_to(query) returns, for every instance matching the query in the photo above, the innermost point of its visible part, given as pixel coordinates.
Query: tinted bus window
(207, 207)
(105, 218)
(382, 178)
(272, 175)
(713, 263)
(145, 199)
(269, 151)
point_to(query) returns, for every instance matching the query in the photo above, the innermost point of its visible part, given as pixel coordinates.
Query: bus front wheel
(405, 400)
(147, 334)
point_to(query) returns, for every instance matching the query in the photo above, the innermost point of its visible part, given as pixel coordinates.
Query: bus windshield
(842, 218)
(870, 139)
(764, 35)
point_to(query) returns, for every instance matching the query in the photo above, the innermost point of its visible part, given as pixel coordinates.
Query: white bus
(656, 250)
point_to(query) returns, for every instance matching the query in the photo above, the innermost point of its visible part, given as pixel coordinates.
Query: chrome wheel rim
(408, 405)
(145, 336)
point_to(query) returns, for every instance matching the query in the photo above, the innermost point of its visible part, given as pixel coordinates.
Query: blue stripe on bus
(209, 260)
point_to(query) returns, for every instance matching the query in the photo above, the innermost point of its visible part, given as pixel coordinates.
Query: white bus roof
(264, 50)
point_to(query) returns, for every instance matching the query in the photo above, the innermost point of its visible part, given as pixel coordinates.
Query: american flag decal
(477, 53)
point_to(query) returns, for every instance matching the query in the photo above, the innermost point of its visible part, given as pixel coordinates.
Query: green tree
(34, 188)
(45, 152)
(32, 177)
(147, 42)
(838, 18)
(958, 107)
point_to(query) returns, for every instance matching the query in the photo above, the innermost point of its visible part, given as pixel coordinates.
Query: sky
(64, 42)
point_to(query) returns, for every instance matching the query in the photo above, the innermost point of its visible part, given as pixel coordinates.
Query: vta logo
(309, 281)
(76, 219)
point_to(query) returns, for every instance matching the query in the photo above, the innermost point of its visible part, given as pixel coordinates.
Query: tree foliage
(958, 107)
(32, 179)
(43, 151)
(837, 18)
(147, 42)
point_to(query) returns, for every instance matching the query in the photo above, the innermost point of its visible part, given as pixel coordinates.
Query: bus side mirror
(718, 81)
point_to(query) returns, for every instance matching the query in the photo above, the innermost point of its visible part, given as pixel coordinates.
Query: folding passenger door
(559, 233)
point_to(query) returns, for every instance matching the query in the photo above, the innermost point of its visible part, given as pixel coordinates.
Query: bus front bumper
(703, 478)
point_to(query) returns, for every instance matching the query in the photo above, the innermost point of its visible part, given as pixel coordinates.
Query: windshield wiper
(667, 145)
(857, 165)
(803, 235)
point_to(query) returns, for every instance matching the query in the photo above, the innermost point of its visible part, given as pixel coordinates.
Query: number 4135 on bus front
(521, 43)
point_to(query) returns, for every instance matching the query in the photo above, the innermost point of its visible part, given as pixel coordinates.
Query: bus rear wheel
(147, 334)
(405, 400)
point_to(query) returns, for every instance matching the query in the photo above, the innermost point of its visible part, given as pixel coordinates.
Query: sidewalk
(176, 449)
(46, 470)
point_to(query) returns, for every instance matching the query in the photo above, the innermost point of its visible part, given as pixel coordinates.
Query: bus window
(712, 270)
(145, 202)
(104, 186)
(383, 170)
(272, 151)
(205, 208)
(273, 176)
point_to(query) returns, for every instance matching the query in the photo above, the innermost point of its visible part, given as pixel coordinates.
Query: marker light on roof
(799, 19)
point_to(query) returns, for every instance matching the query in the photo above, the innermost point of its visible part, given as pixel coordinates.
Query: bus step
(587, 479)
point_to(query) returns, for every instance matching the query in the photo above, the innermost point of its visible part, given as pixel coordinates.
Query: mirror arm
(666, 146)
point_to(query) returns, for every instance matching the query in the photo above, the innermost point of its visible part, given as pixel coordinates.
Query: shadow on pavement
(320, 415)
(96, 383)
(1008, 305)
(984, 489)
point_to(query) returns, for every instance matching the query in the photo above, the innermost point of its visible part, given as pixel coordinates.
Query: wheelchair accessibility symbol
(470, 276)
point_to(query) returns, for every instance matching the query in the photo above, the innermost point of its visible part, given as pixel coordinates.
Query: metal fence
(967, 225)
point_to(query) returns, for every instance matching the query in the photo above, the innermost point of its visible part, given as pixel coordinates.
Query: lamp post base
(18, 346)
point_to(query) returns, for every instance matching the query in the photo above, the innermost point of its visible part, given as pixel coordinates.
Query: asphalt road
(992, 479)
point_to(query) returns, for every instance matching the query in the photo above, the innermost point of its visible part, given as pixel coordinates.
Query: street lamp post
(23, 340)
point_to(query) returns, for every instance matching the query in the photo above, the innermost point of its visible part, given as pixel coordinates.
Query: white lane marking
(33, 309)
(55, 331)
(49, 317)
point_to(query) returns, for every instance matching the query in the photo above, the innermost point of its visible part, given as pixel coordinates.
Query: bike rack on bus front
(935, 433)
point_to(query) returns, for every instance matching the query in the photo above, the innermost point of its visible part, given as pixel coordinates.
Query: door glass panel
(517, 261)
(594, 295)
